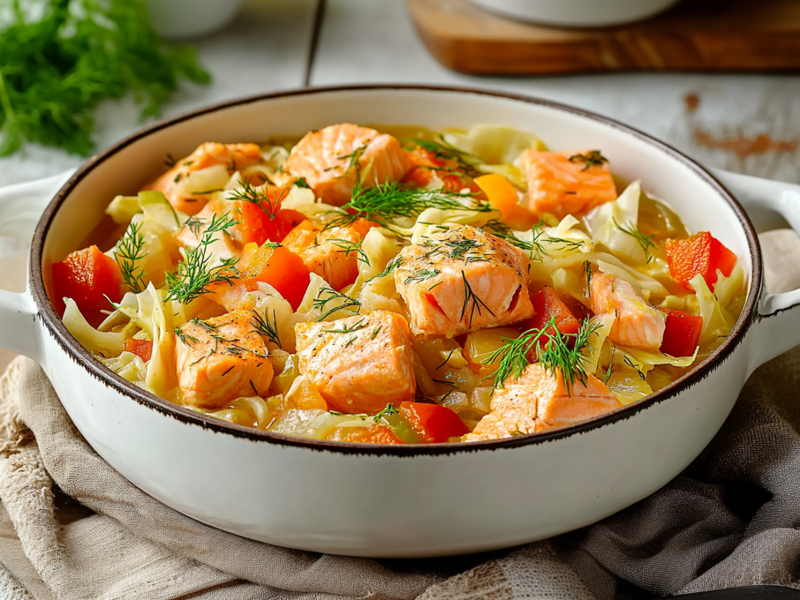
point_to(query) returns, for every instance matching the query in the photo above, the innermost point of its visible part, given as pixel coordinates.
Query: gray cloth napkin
(71, 527)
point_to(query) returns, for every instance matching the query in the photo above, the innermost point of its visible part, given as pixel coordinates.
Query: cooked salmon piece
(360, 363)
(637, 324)
(538, 400)
(329, 253)
(332, 159)
(566, 183)
(232, 156)
(463, 279)
(220, 360)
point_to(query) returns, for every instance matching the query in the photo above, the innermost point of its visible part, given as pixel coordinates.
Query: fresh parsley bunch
(60, 58)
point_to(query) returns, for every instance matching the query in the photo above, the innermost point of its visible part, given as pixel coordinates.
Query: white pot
(578, 13)
(398, 501)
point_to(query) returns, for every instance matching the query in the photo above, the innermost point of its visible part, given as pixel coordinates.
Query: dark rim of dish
(85, 359)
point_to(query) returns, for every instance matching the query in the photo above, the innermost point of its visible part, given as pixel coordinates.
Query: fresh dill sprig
(422, 275)
(629, 362)
(261, 198)
(608, 372)
(387, 411)
(376, 332)
(350, 341)
(390, 268)
(645, 241)
(352, 159)
(348, 247)
(593, 158)
(347, 303)
(348, 328)
(587, 267)
(445, 151)
(267, 328)
(302, 183)
(477, 303)
(129, 254)
(194, 224)
(170, 161)
(194, 273)
(185, 337)
(385, 203)
(61, 59)
(554, 356)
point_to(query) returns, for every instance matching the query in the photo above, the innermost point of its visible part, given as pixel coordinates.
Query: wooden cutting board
(707, 35)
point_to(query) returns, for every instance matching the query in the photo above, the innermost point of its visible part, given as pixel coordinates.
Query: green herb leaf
(194, 273)
(593, 158)
(129, 253)
(58, 67)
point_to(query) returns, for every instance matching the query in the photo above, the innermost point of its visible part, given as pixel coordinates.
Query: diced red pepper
(266, 222)
(433, 423)
(374, 434)
(700, 254)
(682, 333)
(87, 276)
(547, 305)
(282, 269)
(141, 348)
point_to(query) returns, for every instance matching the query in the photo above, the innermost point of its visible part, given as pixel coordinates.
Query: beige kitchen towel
(71, 527)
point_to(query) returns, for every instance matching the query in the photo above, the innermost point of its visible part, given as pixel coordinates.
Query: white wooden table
(746, 123)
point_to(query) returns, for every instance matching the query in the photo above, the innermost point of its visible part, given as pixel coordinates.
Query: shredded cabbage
(717, 322)
(315, 423)
(129, 366)
(106, 343)
(608, 220)
(494, 144)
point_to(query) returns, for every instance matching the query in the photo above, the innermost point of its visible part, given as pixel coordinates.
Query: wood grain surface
(695, 35)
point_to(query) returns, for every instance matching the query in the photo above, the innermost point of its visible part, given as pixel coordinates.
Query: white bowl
(578, 13)
(180, 19)
(397, 501)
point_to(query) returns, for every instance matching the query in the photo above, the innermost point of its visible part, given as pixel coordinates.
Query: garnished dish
(395, 285)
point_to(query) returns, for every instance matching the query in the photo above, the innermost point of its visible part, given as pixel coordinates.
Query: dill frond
(267, 328)
(385, 203)
(477, 303)
(346, 247)
(645, 241)
(347, 303)
(593, 158)
(555, 355)
(194, 273)
(261, 198)
(129, 253)
(349, 329)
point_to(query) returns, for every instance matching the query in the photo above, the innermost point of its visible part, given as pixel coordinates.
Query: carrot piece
(141, 348)
(700, 254)
(433, 423)
(87, 276)
(267, 222)
(682, 333)
(547, 305)
(282, 269)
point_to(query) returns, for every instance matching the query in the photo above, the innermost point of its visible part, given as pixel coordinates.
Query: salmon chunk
(232, 157)
(360, 363)
(331, 160)
(462, 280)
(221, 359)
(538, 400)
(330, 253)
(637, 323)
(566, 183)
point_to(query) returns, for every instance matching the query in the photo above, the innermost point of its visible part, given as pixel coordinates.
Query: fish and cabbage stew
(398, 286)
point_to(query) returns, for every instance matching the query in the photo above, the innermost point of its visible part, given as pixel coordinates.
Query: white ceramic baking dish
(396, 501)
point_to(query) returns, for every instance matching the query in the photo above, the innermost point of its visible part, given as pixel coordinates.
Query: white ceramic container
(578, 13)
(398, 501)
(181, 19)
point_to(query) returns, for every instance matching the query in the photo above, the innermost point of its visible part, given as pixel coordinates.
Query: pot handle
(21, 207)
(770, 205)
